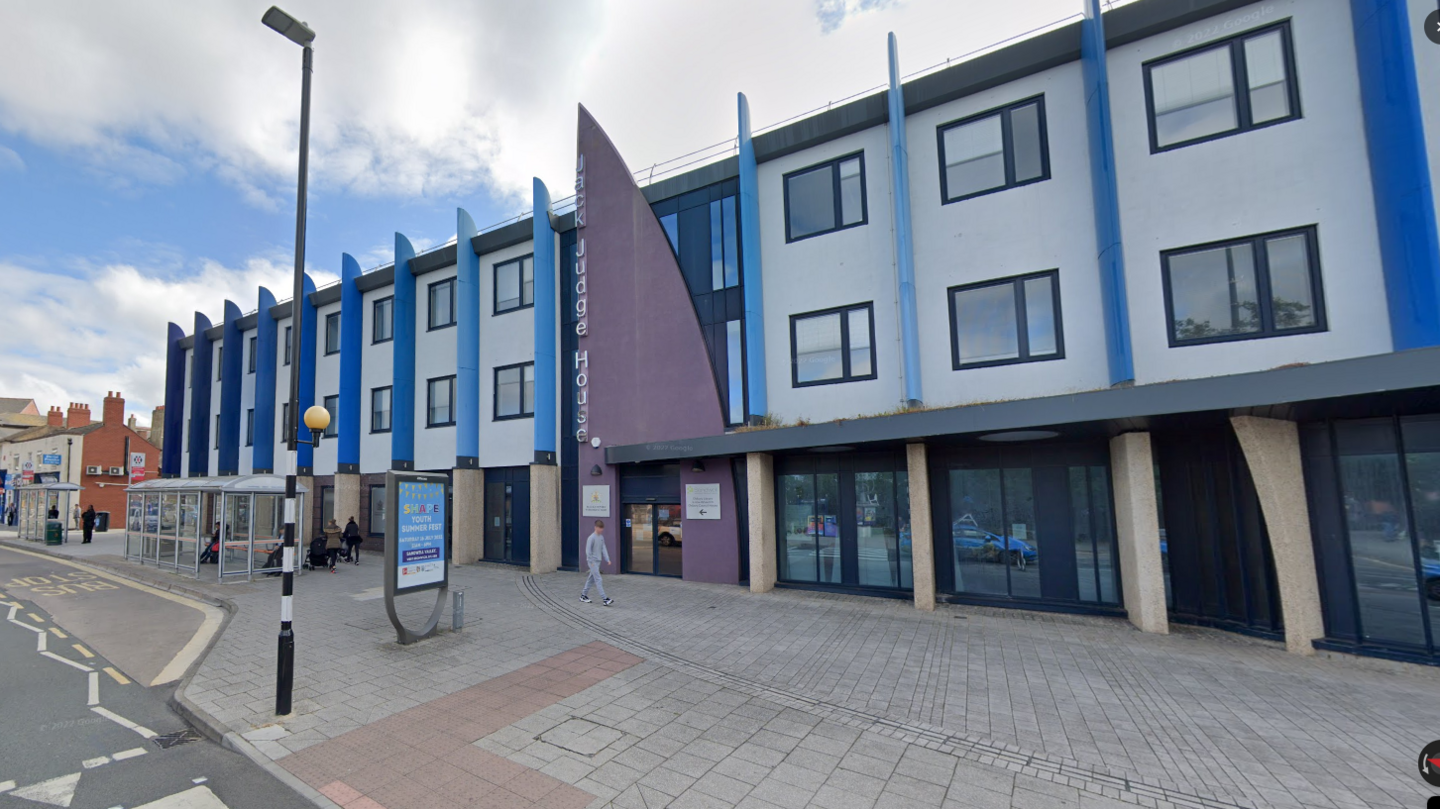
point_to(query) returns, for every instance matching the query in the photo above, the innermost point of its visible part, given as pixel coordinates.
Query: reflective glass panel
(1025, 140)
(528, 402)
(1292, 300)
(797, 550)
(527, 281)
(974, 157)
(384, 323)
(1194, 96)
(1104, 524)
(1213, 293)
(732, 249)
(507, 383)
(985, 324)
(642, 538)
(1422, 469)
(977, 518)
(877, 541)
(1040, 316)
(440, 396)
(669, 540)
(1082, 519)
(717, 247)
(671, 224)
(826, 527)
(852, 193)
(735, 371)
(1265, 72)
(859, 326)
(1018, 546)
(818, 353)
(811, 197)
(507, 286)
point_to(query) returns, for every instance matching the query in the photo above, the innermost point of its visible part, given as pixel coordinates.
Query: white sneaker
(584, 599)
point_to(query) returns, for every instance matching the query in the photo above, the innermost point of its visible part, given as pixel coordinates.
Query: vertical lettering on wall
(582, 358)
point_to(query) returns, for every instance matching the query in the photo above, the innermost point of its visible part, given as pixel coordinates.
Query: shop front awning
(1411, 379)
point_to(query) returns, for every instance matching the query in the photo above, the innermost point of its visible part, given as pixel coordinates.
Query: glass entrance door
(845, 520)
(653, 539)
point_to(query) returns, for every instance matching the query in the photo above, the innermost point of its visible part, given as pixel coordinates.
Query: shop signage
(137, 467)
(702, 501)
(420, 512)
(595, 501)
(50, 460)
(582, 310)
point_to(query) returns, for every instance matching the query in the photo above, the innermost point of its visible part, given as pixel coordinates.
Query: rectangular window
(440, 402)
(253, 342)
(515, 284)
(285, 422)
(332, 333)
(724, 256)
(287, 345)
(994, 150)
(833, 345)
(735, 362)
(327, 505)
(1007, 320)
(219, 363)
(825, 198)
(442, 304)
(217, 432)
(332, 405)
(382, 329)
(377, 511)
(1223, 88)
(515, 391)
(1261, 286)
(250, 427)
(380, 410)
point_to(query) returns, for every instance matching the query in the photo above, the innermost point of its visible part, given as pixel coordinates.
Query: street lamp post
(299, 33)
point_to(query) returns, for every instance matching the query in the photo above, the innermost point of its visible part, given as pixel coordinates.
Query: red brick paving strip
(424, 758)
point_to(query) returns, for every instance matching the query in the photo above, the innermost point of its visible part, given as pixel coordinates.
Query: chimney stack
(78, 415)
(55, 417)
(114, 412)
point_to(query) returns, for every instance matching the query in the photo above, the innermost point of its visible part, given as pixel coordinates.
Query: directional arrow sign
(702, 501)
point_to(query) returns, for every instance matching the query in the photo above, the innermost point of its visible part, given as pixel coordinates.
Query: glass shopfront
(844, 520)
(1025, 523)
(1375, 493)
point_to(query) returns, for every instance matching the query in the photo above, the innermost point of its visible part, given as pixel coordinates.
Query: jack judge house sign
(582, 330)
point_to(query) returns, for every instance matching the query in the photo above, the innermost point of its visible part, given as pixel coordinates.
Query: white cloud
(102, 327)
(10, 160)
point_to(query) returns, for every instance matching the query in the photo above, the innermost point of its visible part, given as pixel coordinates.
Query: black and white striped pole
(299, 33)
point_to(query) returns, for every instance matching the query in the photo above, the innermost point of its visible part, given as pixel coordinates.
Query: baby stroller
(317, 559)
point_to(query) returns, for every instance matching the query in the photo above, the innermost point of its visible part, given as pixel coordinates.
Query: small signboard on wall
(595, 501)
(702, 501)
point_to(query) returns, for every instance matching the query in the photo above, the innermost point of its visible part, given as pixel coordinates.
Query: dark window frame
(254, 345)
(289, 344)
(430, 305)
(217, 431)
(333, 428)
(219, 363)
(390, 413)
(495, 404)
(1239, 79)
(375, 320)
(250, 427)
(284, 422)
(834, 165)
(1262, 286)
(845, 375)
(370, 528)
(429, 392)
(495, 282)
(333, 317)
(1021, 320)
(1007, 147)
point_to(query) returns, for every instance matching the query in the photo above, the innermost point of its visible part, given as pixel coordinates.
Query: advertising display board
(417, 522)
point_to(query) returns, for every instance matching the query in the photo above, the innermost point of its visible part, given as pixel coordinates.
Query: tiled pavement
(800, 699)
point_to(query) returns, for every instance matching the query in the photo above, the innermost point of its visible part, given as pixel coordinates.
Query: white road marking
(131, 753)
(124, 723)
(40, 642)
(14, 608)
(66, 661)
(27, 626)
(6, 786)
(56, 791)
(200, 780)
(92, 763)
(193, 798)
(94, 696)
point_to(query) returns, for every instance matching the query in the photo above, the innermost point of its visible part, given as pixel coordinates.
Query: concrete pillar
(347, 499)
(545, 518)
(1272, 451)
(760, 486)
(922, 538)
(467, 526)
(1142, 576)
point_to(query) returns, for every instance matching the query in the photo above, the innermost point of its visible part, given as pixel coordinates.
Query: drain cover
(176, 739)
(581, 736)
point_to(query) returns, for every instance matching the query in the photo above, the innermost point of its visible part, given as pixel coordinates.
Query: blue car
(975, 542)
(1430, 568)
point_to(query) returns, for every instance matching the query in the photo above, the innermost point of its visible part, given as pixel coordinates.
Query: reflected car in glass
(974, 542)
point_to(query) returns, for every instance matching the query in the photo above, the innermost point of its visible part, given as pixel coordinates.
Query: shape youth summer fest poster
(421, 523)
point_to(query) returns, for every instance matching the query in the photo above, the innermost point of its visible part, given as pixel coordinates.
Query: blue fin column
(1106, 197)
(174, 424)
(232, 365)
(904, 240)
(1399, 170)
(757, 405)
(352, 318)
(546, 314)
(305, 453)
(402, 391)
(201, 360)
(262, 454)
(467, 344)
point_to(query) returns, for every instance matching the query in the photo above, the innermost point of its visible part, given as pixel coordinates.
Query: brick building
(94, 454)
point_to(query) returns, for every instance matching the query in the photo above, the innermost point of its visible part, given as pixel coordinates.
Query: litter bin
(102, 521)
(54, 532)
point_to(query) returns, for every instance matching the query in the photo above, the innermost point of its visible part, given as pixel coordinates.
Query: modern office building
(1139, 315)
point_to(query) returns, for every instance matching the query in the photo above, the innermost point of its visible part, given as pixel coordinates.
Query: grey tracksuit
(595, 553)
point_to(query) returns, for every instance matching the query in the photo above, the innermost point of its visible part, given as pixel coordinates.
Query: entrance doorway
(652, 539)
(507, 515)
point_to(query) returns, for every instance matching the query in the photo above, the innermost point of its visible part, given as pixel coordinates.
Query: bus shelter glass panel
(169, 525)
(188, 537)
(269, 519)
(151, 526)
(134, 542)
(235, 537)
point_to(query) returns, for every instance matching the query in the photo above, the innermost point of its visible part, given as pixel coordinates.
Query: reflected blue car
(1430, 569)
(973, 541)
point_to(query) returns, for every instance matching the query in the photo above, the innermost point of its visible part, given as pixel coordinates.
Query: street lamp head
(288, 27)
(317, 419)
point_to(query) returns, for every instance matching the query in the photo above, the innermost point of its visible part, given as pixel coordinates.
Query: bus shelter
(171, 522)
(34, 504)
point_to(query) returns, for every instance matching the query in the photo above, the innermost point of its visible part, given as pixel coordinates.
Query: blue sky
(148, 149)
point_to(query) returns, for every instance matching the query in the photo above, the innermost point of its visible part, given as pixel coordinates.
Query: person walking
(595, 552)
(332, 543)
(87, 523)
(352, 541)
